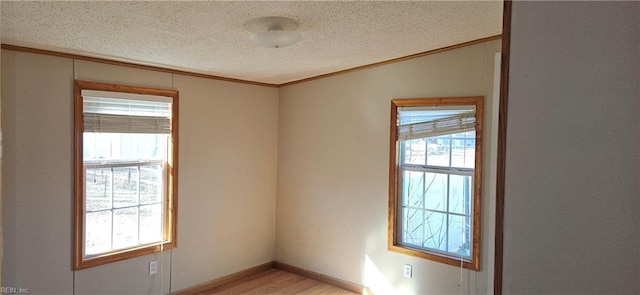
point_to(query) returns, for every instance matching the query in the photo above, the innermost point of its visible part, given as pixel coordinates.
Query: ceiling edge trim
(395, 60)
(129, 64)
(214, 77)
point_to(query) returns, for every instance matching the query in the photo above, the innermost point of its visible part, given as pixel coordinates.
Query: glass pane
(433, 147)
(459, 235)
(460, 187)
(441, 156)
(413, 188)
(413, 227)
(142, 146)
(151, 184)
(123, 146)
(414, 151)
(98, 189)
(150, 223)
(436, 191)
(463, 153)
(125, 186)
(98, 233)
(125, 228)
(435, 231)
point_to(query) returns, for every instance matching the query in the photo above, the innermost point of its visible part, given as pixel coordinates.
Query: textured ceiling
(208, 37)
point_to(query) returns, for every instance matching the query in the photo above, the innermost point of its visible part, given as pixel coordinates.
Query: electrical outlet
(153, 267)
(408, 271)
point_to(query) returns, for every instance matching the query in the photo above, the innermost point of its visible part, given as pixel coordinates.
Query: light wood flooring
(275, 281)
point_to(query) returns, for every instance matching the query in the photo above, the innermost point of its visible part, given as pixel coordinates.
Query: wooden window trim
(394, 202)
(171, 211)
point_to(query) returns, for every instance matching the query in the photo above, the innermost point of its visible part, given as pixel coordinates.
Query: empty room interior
(320, 147)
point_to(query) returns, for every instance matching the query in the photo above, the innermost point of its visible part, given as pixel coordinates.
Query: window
(126, 171)
(435, 177)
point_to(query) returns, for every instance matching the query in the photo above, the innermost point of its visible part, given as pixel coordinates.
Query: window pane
(123, 146)
(435, 191)
(433, 147)
(125, 228)
(151, 184)
(463, 153)
(459, 238)
(414, 232)
(150, 223)
(125, 186)
(460, 194)
(413, 189)
(414, 151)
(435, 231)
(441, 156)
(97, 232)
(142, 146)
(98, 189)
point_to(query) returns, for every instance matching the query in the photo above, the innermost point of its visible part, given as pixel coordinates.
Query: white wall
(333, 171)
(226, 221)
(572, 203)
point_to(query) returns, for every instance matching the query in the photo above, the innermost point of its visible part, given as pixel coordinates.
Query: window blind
(132, 113)
(422, 122)
(94, 122)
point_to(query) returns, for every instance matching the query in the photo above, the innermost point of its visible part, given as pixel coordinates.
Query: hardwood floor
(275, 281)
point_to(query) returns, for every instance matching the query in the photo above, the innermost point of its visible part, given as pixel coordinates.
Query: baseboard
(320, 277)
(226, 279)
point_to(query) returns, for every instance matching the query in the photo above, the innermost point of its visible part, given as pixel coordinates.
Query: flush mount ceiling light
(273, 31)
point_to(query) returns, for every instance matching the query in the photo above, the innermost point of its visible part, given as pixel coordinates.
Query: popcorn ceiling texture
(208, 37)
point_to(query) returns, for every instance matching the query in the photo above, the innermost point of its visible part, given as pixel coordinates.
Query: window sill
(437, 257)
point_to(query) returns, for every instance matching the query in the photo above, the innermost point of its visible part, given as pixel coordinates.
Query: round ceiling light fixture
(273, 31)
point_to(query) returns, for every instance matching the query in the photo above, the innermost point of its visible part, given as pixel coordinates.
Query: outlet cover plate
(408, 271)
(153, 267)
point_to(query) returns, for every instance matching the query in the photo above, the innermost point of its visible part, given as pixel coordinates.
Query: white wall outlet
(153, 267)
(408, 270)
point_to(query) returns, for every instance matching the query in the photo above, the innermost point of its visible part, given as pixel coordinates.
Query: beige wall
(37, 121)
(1, 227)
(572, 203)
(333, 171)
(226, 222)
(227, 179)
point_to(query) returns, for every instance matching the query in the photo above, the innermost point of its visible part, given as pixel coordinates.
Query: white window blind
(422, 122)
(127, 113)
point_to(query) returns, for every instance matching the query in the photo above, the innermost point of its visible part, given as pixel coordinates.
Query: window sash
(435, 169)
(114, 164)
(402, 218)
(162, 190)
(441, 252)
